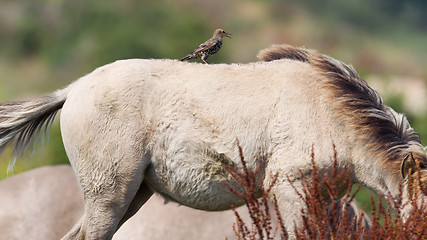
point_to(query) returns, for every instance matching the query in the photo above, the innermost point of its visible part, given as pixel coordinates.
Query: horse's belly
(197, 185)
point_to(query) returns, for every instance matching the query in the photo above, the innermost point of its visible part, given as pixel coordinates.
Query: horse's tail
(21, 120)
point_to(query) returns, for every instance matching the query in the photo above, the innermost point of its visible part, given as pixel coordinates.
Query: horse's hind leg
(142, 196)
(109, 189)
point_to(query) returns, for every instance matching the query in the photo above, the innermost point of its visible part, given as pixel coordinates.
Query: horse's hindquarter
(103, 127)
(184, 118)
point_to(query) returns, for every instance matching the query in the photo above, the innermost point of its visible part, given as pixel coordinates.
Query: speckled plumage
(209, 47)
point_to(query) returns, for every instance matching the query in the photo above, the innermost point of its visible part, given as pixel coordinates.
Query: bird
(208, 48)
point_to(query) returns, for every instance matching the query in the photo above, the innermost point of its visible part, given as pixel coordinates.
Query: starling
(208, 48)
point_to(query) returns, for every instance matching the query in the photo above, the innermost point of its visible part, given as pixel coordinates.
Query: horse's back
(163, 99)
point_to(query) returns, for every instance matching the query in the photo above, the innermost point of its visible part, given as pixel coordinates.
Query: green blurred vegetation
(370, 16)
(47, 44)
(93, 33)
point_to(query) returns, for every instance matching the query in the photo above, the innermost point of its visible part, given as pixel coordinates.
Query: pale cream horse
(135, 127)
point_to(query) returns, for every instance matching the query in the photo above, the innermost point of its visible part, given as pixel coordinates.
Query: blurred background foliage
(47, 44)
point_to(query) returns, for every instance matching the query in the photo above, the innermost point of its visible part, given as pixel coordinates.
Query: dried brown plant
(259, 209)
(327, 215)
(386, 225)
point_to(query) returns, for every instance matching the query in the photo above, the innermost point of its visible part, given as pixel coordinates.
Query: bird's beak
(228, 35)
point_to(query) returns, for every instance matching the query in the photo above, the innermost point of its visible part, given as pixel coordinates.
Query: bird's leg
(203, 59)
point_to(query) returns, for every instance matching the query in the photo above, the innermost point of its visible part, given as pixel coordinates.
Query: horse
(44, 203)
(40, 204)
(139, 126)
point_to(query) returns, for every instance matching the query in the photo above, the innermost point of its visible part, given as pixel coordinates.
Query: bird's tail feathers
(189, 56)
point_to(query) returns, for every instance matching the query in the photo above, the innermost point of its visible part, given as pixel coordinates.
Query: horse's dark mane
(277, 52)
(386, 134)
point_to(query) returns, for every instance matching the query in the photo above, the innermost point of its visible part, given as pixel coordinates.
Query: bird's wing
(202, 47)
(206, 45)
